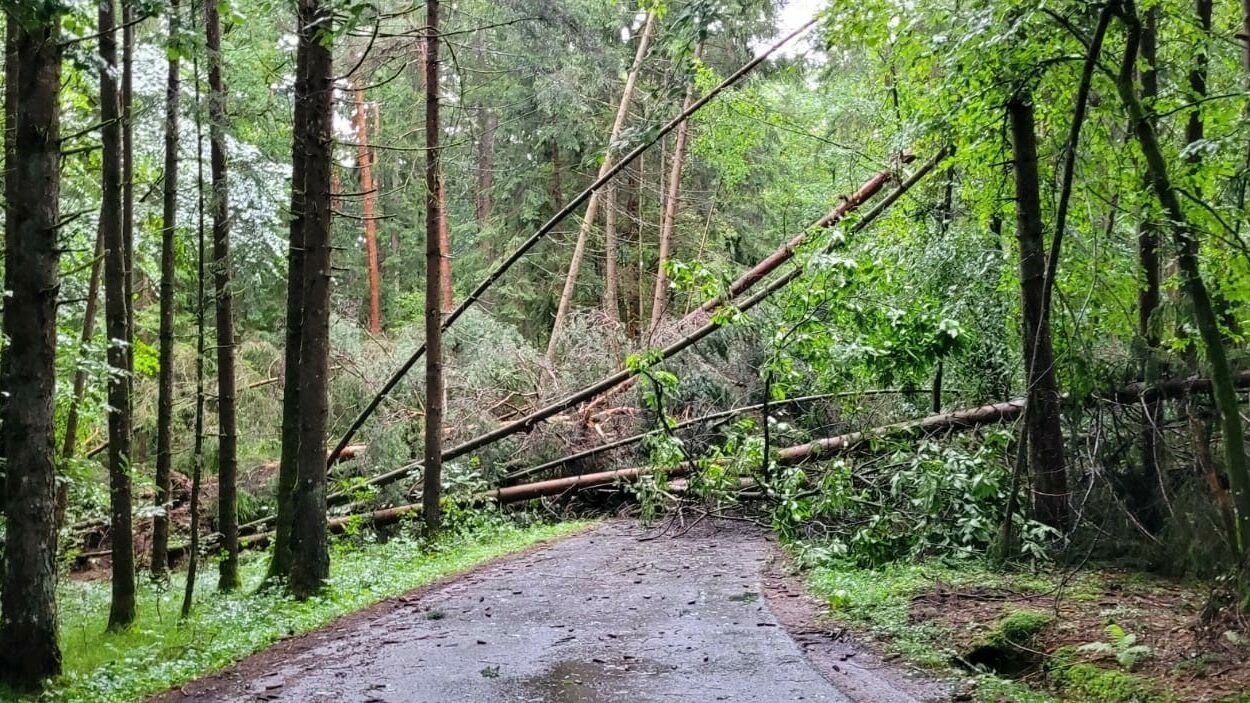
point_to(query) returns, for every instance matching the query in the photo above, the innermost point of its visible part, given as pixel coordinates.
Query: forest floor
(612, 614)
(1093, 635)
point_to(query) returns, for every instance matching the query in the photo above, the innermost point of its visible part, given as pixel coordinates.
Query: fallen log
(964, 419)
(530, 421)
(712, 417)
(550, 225)
(1165, 390)
(955, 420)
(798, 454)
(787, 251)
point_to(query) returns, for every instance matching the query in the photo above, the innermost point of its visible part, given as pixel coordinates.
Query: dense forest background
(1023, 219)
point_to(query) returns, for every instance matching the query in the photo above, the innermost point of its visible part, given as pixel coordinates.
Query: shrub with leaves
(940, 498)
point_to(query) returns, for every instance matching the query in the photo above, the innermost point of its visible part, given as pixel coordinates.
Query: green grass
(160, 652)
(878, 601)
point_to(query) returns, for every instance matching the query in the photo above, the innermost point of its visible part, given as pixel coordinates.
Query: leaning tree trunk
(1045, 434)
(227, 431)
(28, 629)
(1185, 238)
(432, 481)
(314, 85)
(588, 220)
(165, 380)
(116, 314)
(668, 221)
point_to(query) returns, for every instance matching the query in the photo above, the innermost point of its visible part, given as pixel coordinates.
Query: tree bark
(1045, 434)
(116, 313)
(659, 299)
(228, 441)
(128, 167)
(483, 204)
(29, 651)
(434, 254)
(368, 190)
(445, 293)
(588, 220)
(288, 463)
(1147, 494)
(611, 298)
(201, 320)
(70, 442)
(165, 380)
(1185, 238)
(313, 136)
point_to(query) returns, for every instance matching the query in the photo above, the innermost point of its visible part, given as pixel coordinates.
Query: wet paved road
(599, 617)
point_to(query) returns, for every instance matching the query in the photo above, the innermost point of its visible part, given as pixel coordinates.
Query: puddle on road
(586, 681)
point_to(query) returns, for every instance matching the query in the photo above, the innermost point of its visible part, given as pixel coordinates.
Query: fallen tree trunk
(530, 421)
(634, 439)
(820, 449)
(552, 223)
(964, 419)
(785, 252)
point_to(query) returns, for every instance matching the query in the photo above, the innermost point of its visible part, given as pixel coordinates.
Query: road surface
(603, 616)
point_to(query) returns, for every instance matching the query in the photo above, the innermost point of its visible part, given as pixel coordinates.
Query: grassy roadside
(160, 652)
(1092, 637)
(878, 602)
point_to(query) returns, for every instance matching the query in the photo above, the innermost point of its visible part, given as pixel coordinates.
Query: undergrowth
(878, 601)
(161, 652)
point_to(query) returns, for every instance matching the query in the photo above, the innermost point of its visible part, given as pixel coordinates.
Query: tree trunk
(11, 77)
(128, 167)
(70, 442)
(228, 441)
(314, 85)
(116, 314)
(369, 213)
(434, 254)
(201, 320)
(29, 651)
(445, 294)
(1185, 238)
(1195, 131)
(483, 203)
(1245, 67)
(583, 233)
(659, 299)
(165, 381)
(1045, 434)
(611, 298)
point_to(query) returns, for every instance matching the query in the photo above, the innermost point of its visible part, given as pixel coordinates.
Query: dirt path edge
(855, 668)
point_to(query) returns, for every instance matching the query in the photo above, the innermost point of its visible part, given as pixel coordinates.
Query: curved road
(603, 616)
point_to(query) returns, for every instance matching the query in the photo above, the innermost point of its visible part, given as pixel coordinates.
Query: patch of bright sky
(791, 15)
